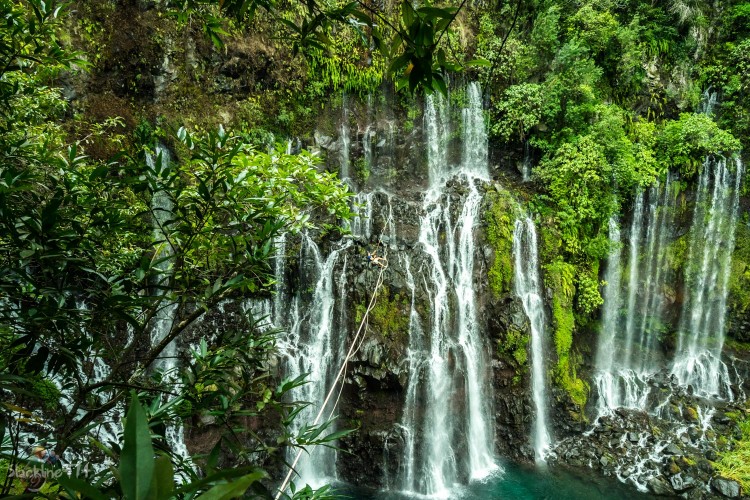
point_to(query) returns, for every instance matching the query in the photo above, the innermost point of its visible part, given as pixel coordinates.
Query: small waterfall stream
(528, 287)
(314, 347)
(345, 140)
(606, 379)
(161, 206)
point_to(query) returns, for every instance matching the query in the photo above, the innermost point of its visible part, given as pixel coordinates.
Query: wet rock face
(378, 376)
(376, 381)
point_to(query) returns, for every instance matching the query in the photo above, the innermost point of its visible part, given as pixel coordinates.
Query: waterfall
(701, 332)
(457, 442)
(437, 131)
(470, 342)
(627, 352)
(367, 146)
(416, 363)
(604, 379)
(345, 141)
(361, 224)
(528, 287)
(475, 135)
(661, 212)
(161, 207)
(633, 280)
(316, 351)
(280, 310)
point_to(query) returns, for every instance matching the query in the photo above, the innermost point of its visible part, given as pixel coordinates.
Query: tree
(92, 255)
(409, 42)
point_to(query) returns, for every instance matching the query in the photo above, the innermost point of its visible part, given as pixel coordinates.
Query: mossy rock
(499, 222)
(690, 414)
(389, 316)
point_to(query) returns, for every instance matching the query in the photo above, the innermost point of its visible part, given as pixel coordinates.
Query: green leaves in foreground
(144, 476)
(137, 460)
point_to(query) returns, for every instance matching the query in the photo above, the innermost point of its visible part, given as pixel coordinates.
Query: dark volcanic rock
(726, 487)
(659, 486)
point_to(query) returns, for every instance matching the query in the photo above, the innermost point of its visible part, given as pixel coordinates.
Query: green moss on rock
(499, 220)
(514, 346)
(734, 462)
(389, 315)
(739, 278)
(560, 278)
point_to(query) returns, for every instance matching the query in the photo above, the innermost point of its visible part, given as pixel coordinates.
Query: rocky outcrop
(665, 451)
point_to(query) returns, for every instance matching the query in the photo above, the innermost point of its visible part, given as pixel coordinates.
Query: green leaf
(434, 12)
(231, 490)
(137, 459)
(74, 485)
(484, 63)
(162, 484)
(408, 15)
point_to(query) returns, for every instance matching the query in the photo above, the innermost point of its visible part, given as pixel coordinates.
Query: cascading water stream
(626, 354)
(528, 287)
(161, 207)
(345, 141)
(416, 364)
(633, 280)
(280, 288)
(316, 352)
(606, 378)
(456, 442)
(701, 333)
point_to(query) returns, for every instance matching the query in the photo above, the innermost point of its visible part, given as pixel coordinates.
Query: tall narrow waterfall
(161, 207)
(345, 140)
(606, 379)
(528, 287)
(437, 132)
(416, 357)
(701, 334)
(456, 440)
(314, 347)
(627, 353)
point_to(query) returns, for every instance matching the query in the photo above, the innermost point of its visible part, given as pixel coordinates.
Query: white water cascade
(702, 324)
(161, 207)
(528, 287)
(447, 443)
(627, 352)
(345, 141)
(314, 346)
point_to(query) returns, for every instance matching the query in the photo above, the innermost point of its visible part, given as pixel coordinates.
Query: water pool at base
(517, 482)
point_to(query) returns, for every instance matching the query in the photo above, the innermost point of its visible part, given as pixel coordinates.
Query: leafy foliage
(733, 464)
(686, 142)
(92, 252)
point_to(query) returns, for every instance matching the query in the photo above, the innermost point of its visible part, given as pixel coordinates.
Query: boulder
(726, 487)
(681, 482)
(659, 486)
(672, 449)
